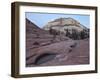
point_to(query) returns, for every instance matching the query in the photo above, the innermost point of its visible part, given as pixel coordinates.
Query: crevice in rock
(45, 57)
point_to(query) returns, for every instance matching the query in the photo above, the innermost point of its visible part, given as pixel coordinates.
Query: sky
(41, 19)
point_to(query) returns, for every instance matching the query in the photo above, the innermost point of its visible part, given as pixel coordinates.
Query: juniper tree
(75, 34)
(67, 33)
(53, 32)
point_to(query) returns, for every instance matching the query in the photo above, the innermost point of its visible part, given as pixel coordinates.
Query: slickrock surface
(42, 51)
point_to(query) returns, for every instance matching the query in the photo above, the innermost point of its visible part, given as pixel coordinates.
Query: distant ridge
(69, 23)
(33, 28)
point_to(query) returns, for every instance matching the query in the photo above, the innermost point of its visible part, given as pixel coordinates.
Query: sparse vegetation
(75, 35)
(84, 34)
(54, 33)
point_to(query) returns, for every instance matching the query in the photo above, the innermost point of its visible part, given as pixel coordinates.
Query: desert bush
(54, 33)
